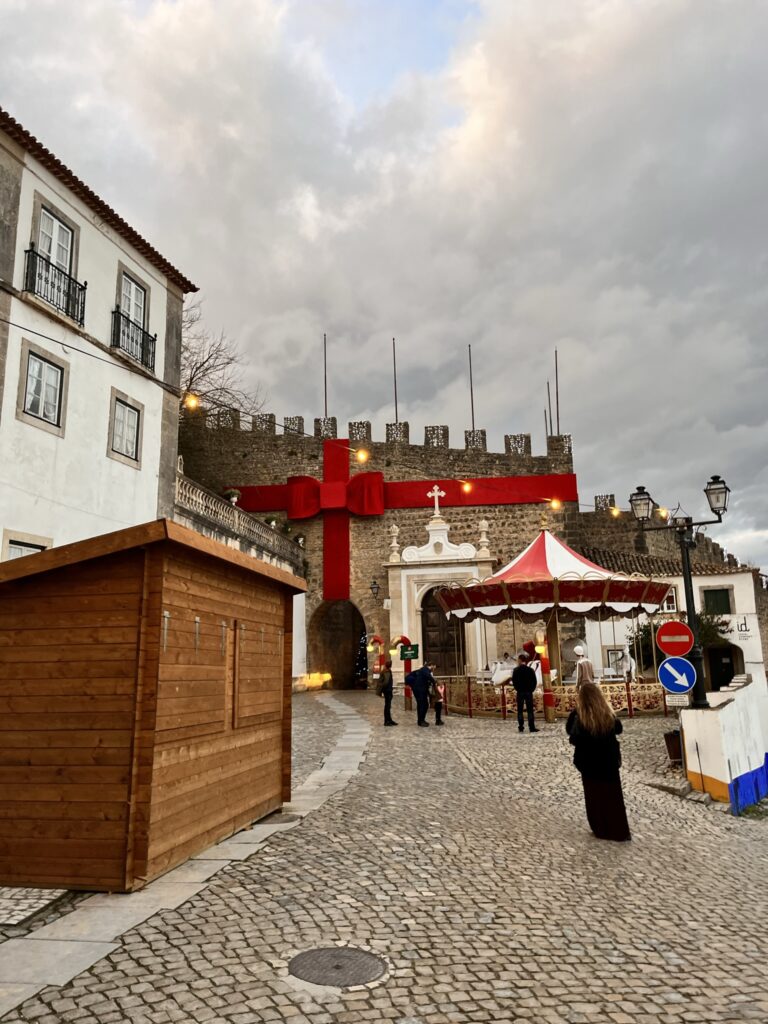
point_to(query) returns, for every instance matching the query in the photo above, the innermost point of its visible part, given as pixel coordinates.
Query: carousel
(551, 584)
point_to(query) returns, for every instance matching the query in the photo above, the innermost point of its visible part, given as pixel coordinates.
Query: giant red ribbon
(337, 496)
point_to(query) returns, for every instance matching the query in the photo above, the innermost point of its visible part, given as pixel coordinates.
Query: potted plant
(232, 495)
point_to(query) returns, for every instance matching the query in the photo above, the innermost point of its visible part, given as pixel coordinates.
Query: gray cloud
(580, 174)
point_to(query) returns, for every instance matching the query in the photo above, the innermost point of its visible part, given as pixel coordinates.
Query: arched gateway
(333, 641)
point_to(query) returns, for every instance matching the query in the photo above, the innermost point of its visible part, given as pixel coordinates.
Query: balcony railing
(214, 515)
(54, 286)
(131, 338)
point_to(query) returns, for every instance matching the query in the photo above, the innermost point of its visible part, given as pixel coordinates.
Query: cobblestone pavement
(462, 855)
(316, 730)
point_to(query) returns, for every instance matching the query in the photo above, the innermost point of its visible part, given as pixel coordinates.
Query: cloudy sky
(515, 174)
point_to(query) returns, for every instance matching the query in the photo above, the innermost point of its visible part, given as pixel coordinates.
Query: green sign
(409, 653)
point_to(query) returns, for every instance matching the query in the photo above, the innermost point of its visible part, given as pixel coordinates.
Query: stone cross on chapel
(437, 494)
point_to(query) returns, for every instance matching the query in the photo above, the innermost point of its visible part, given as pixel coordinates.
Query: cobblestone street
(462, 856)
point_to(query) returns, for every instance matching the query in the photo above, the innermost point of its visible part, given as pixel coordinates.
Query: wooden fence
(475, 698)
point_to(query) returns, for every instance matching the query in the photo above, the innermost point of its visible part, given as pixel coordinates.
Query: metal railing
(209, 507)
(54, 285)
(131, 337)
(466, 695)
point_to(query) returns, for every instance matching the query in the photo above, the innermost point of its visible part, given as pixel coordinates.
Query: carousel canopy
(549, 575)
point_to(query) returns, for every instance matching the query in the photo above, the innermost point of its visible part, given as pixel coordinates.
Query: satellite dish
(568, 645)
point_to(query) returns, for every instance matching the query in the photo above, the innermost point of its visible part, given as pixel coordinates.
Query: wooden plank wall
(218, 754)
(68, 658)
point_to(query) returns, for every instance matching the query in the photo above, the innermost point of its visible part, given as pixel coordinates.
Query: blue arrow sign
(677, 675)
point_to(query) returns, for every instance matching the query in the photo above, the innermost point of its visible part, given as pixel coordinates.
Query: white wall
(100, 250)
(67, 488)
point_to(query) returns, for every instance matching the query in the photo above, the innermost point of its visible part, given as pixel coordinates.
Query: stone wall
(221, 451)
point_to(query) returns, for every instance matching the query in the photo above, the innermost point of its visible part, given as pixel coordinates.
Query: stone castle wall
(219, 452)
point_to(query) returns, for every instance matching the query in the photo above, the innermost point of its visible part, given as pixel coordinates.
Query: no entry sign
(674, 639)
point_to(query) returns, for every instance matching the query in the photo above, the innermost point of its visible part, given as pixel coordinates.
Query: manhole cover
(339, 966)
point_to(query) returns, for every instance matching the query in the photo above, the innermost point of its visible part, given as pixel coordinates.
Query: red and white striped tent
(550, 576)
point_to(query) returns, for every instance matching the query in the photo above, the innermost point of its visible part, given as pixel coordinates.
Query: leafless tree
(213, 368)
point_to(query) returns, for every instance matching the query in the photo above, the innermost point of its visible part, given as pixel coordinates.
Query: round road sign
(674, 638)
(677, 675)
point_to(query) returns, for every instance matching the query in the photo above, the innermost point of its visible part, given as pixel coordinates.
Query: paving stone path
(462, 856)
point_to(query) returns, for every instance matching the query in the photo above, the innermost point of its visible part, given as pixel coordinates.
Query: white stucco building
(731, 592)
(90, 339)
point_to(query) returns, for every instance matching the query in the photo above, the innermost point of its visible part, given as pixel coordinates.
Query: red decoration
(337, 497)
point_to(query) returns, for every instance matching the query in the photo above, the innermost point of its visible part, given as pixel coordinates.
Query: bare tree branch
(213, 368)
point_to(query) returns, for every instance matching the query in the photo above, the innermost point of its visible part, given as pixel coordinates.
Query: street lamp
(375, 588)
(643, 505)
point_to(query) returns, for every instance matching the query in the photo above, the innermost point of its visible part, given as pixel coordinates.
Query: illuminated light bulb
(393, 651)
(664, 513)
(191, 402)
(540, 649)
(370, 648)
(555, 504)
(466, 486)
(615, 512)
(362, 455)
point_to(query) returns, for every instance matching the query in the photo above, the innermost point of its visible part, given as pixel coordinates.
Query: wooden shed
(145, 704)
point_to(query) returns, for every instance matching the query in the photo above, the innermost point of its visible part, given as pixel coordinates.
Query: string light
(615, 512)
(555, 504)
(191, 402)
(664, 513)
(362, 455)
(466, 486)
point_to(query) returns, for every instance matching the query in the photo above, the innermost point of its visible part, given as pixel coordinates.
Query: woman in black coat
(592, 729)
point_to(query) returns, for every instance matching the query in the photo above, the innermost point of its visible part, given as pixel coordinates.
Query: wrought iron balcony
(54, 286)
(131, 337)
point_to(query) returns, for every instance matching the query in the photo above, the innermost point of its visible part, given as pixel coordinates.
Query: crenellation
(605, 502)
(517, 444)
(325, 427)
(475, 440)
(398, 433)
(293, 425)
(436, 437)
(359, 431)
(264, 423)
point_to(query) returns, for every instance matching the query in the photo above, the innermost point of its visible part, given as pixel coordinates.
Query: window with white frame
(133, 301)
(125, 430)
(43, 391)
(55, 241)
(670, 601)
(21, 548)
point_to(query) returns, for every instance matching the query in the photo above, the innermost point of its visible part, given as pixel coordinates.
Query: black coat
(595, 756)
(524, 679)
(421, 682)
(386, 683)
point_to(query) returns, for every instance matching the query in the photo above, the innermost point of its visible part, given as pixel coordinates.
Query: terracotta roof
(654, 565)
(140, 536)
(19, 134)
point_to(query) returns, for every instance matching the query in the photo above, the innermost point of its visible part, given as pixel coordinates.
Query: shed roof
(655, 565)
(136, 537)
(35, 148)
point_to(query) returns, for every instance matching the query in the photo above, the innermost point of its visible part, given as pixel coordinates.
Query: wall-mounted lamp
(375, 588)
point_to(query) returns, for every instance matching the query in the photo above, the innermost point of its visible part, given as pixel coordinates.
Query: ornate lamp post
(643, 508)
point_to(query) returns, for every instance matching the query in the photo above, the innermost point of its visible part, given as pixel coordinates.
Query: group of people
(425, 688)
(592, 729)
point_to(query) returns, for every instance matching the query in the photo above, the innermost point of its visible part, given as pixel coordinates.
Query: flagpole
(557, 394)
(394, 372)
(325, 374)
(471, 388)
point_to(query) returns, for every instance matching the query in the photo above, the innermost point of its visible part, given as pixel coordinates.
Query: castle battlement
(397, 435)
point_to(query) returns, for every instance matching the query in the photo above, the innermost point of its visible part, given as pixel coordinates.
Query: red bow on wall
(363, 495)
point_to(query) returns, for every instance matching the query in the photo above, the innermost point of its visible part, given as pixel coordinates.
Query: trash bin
(674, 746)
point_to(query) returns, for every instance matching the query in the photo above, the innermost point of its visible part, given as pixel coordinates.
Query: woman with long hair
(592, 729)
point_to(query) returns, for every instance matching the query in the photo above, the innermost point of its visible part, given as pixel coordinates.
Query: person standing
(524, 683)
(421, 682)
(386, 690)
(585, 670)
(592, 729)
(438, 699)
